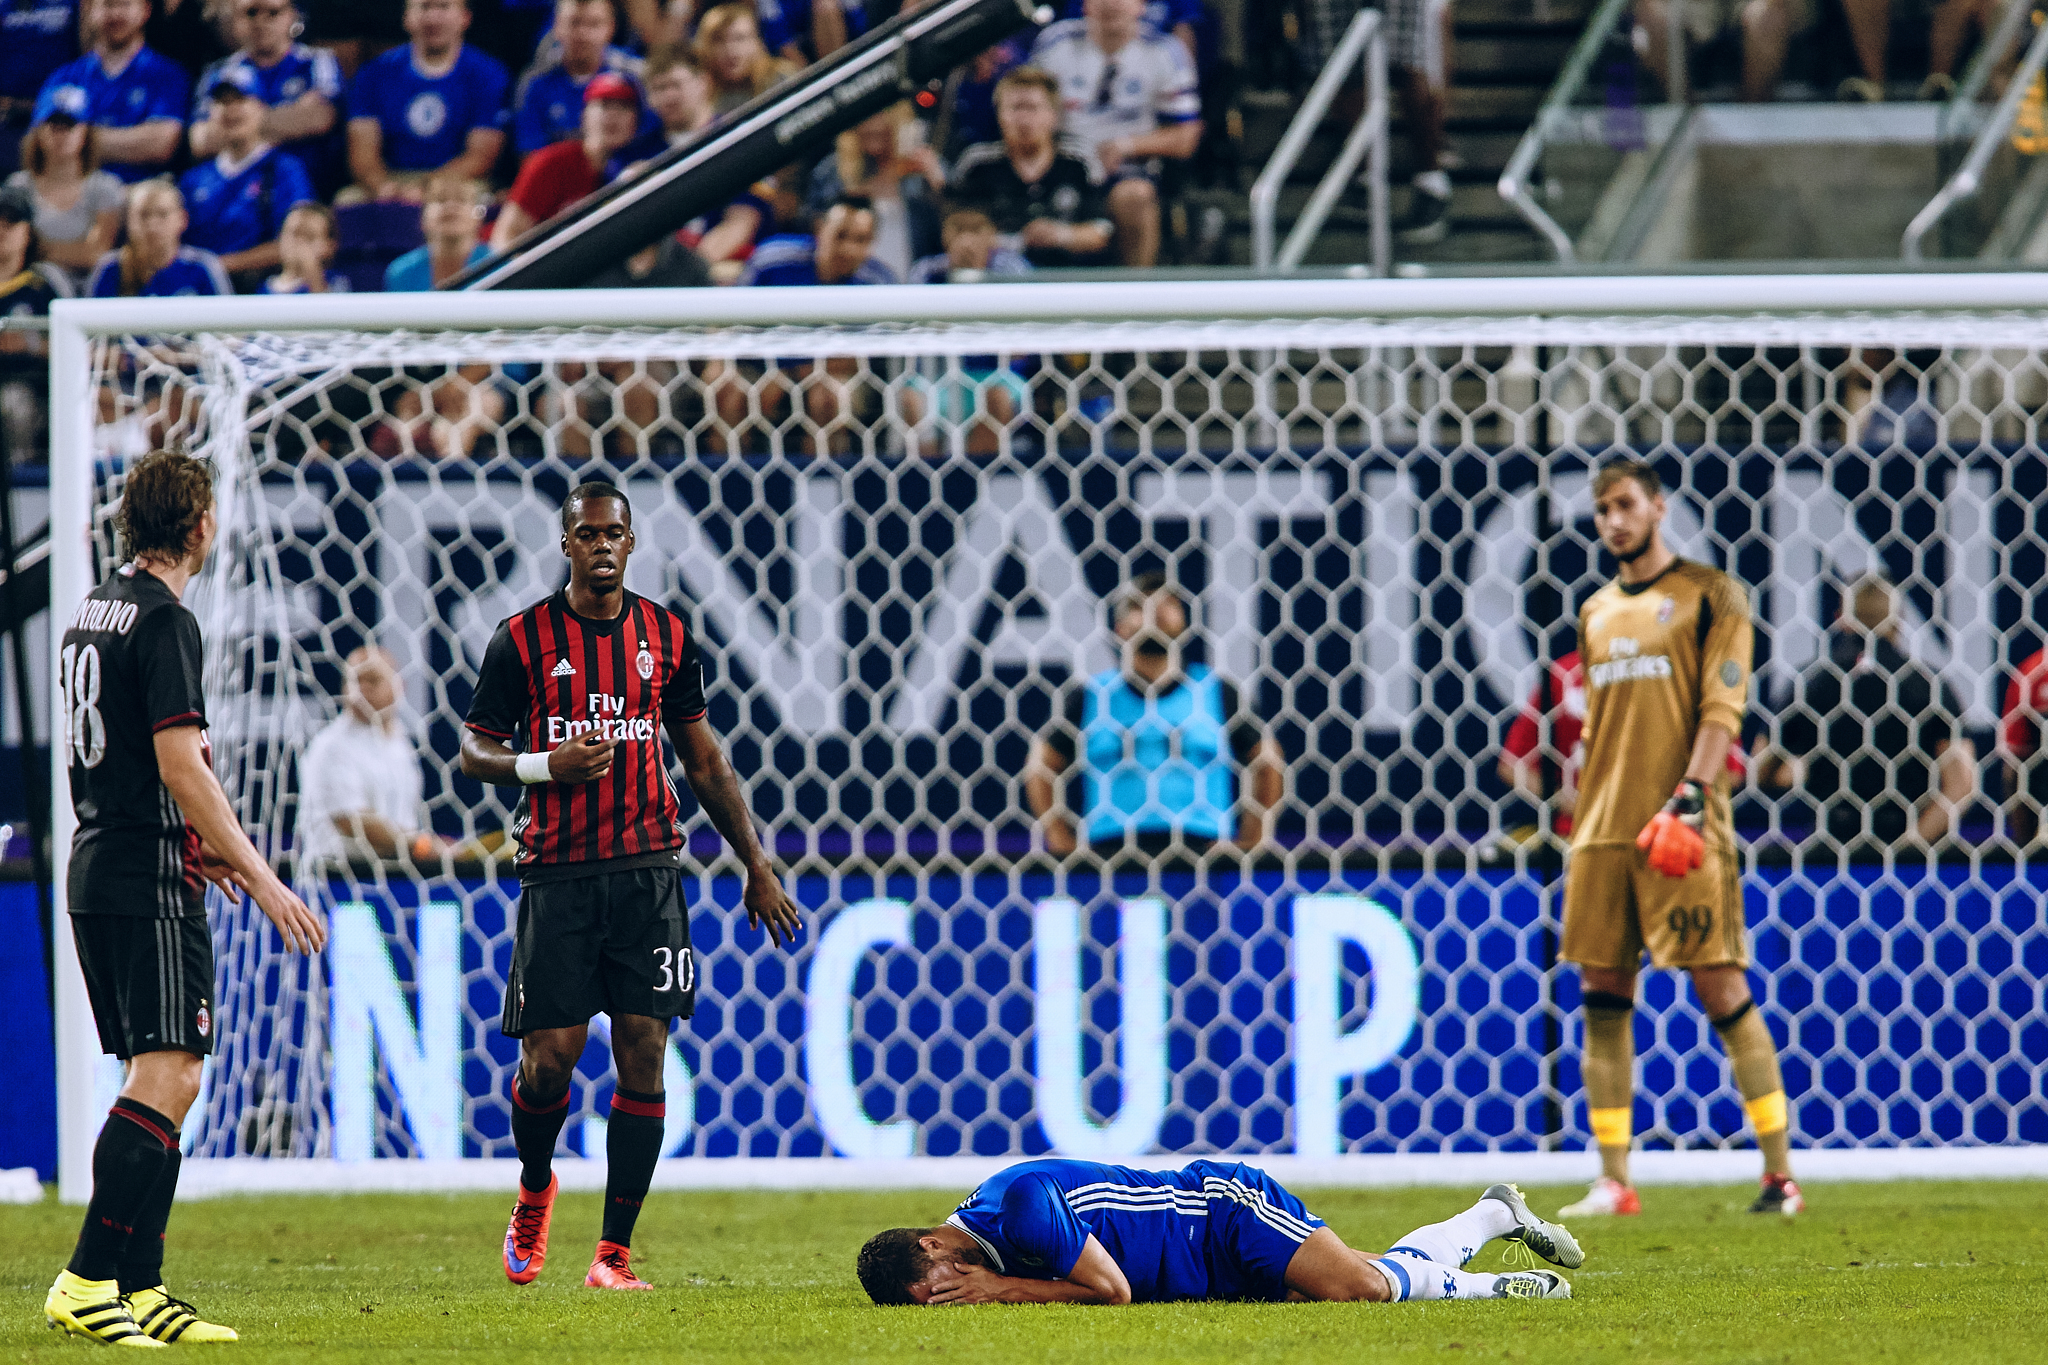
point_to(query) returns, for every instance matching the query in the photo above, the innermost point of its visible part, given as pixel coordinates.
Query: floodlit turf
(1948, 1273)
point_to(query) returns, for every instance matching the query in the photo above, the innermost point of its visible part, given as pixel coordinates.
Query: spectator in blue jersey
(305, 250)
(548, 106)
(1161, 741)
(435, 106)
(838, 251)
(1063, 1231)
(155, 262)
(300, 87)
(136, 97)
(36, 37)
(237, 201)
(1130, 97)
(805, 31)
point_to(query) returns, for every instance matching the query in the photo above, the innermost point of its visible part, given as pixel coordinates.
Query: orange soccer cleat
(526, 1237)
(609, 1269)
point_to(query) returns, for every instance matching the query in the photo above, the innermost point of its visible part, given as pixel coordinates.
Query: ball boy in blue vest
(1171, 761)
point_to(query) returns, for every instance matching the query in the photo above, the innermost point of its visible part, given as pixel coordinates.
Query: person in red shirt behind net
(2019, 744)
(561, 173)
(1558, 706)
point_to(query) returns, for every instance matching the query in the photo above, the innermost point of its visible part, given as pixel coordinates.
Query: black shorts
(617, 942)
(150, 982)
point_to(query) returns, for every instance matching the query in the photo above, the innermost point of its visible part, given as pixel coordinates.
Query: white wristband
(531, 768)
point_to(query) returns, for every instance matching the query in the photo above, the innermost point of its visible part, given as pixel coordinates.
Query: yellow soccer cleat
(168, 1319)
(95, 1310)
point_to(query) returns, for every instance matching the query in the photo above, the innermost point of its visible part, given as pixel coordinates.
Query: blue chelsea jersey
(191, 271)
(36, 37)
(149, 88)
(235, 207)
(302, 70)
(1034, 1219)
(548, 105)
(427, 120)
(792, 259)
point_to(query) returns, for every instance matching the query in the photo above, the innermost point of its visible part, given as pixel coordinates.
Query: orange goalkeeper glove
(1672, 839)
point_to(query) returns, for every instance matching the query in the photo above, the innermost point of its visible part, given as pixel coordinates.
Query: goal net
(901, 544)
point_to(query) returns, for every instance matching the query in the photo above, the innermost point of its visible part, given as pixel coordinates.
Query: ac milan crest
(203, 1021)
(1665, 610)
(645, 663)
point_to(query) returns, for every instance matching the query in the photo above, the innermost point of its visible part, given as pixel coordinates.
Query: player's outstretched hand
(965, 1284)
(302, 929)
(582, 759)
(768, 904)
(1672, 838)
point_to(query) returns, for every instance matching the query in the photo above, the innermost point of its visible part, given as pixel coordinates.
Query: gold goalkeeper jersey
(1661, 658)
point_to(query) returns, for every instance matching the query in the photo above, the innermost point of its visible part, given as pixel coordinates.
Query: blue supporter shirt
(300, 70)
(427, 120)
(793, 259)
(413, 273)
(783, 22)
(191, 271)
(233, 207)
(36, 37)
(336, 284)
(150, 87)
(548, 106)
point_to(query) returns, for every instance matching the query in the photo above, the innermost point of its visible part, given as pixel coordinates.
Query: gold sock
(1754, 1058)
(1610, 1082)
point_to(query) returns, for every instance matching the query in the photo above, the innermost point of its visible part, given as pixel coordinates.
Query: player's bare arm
(1095, 1278)
(182, 763)
(718, 790)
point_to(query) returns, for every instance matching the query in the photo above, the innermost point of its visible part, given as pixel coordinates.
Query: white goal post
(1373, 494)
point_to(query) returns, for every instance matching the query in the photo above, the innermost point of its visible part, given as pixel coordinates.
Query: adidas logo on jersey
(563, 670)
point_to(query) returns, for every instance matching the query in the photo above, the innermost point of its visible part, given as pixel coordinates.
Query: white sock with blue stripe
(1457, 1240)
(1415, 1279)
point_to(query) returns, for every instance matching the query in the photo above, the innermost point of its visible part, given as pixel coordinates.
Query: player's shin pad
(1672, 838)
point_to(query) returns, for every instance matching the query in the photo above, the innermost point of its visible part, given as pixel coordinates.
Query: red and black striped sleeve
(682, 691)
(502, 698)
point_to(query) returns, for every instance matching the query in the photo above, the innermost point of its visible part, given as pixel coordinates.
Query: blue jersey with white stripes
(1209, 1230)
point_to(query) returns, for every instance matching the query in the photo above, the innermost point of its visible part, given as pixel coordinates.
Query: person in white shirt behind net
(359, 780)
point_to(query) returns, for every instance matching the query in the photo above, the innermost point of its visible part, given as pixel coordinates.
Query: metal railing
(1961, 107)
(1969, 176)
(1514, 181)
(1364, 41)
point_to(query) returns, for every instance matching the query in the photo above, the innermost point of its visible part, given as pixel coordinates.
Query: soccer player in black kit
(573, 696)
(153, 828)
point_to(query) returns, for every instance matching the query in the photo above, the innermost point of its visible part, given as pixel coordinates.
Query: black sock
(632, 1144)
(142, 1261)
(126, 1161)
(536, 1123)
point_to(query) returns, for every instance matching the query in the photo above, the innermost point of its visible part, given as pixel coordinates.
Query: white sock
(1418, 1280)
(1457, 1240)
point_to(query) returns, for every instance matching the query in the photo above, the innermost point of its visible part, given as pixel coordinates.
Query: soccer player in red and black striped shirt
(571, 703)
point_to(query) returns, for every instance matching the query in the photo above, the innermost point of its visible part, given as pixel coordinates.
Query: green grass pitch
(1932, 1274)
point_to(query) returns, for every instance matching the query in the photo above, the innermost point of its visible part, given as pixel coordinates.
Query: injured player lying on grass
(1058, 1231)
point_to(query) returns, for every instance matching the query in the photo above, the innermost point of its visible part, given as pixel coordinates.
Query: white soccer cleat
(1532, 1284)
(1607, 1198)
(1548, 1240)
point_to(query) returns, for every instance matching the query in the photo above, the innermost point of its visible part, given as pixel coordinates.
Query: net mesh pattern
(901, 547)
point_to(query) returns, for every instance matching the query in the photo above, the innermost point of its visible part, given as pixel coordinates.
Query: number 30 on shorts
(673, 965)
(1695, 921)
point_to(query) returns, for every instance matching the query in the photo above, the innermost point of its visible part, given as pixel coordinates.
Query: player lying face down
(1058, 1231)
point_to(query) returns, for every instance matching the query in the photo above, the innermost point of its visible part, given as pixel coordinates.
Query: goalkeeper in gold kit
(1666, 650)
